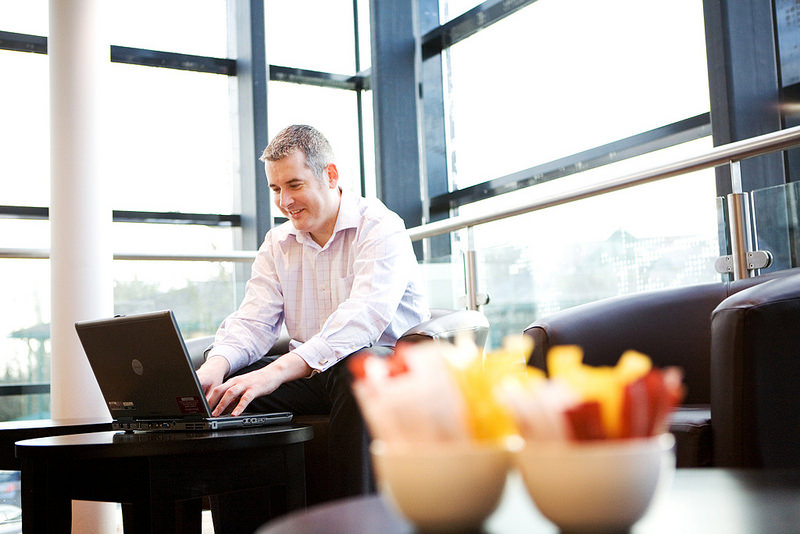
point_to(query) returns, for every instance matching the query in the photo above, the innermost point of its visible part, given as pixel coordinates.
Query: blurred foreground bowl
(447, 487)
(597, 486)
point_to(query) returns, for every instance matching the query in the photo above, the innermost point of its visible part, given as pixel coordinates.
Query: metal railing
(720, 155)
(742, 261)
(43, 254)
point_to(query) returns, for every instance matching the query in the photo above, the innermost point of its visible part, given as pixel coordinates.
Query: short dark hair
(301, 137)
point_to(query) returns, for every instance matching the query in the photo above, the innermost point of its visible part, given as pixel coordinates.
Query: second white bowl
(599, 486)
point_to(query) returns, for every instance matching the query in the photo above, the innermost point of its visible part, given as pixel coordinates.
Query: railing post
(743, 261)
(471, 265)
(741, 237)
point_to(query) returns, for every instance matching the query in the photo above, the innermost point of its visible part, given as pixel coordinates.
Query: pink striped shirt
(361, 289)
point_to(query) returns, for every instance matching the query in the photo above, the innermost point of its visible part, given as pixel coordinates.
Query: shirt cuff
(317, 354)
(229, 353)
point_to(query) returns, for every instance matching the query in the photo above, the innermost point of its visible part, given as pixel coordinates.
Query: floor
(15, 527)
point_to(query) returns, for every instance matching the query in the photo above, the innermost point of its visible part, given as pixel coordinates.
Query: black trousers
(329, 393)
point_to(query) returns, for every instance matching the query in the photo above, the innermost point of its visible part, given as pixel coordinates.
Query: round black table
(14, 431)
(698, 501)
(161, 477)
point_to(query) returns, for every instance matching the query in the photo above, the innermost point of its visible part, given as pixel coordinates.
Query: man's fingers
(235, 394)
(214, 396)
(244, 401)
(239, 391)
(220, 398)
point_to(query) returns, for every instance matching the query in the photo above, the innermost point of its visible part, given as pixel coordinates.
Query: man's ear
(333, 175)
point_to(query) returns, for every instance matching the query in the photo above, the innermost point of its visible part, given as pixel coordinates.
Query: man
(342, 275)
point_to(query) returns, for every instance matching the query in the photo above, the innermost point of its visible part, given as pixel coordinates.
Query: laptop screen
(142, 367)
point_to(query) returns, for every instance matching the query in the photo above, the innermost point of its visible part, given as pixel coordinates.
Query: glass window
(196, 27)
(24, 333)
(24, 233)
(662, 234)
(24, 129)
(332, 111)
(365, 48)
(170, 140)
(25, 16)
(370, 180)
(450, 9)
(171, 238)
(201, 294)
(557, 78)
(311, 34)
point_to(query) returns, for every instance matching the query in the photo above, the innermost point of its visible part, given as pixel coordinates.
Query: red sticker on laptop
(190, 405)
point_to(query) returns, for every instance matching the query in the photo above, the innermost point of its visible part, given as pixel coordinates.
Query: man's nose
(286, 199)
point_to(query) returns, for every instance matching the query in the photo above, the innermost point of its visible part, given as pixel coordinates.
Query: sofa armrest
(448, 325)
(198, 348)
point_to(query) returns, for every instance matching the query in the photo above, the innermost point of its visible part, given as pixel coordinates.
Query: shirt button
(323, 361)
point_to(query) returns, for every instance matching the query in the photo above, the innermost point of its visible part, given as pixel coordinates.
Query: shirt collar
(347, 217)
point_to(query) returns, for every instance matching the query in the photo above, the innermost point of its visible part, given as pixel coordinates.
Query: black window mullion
(20, 42)
(474, 20)
(172, 60)
(635, 145)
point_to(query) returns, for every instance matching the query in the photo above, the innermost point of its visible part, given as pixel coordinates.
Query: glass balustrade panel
(776, 216)
(443, 281)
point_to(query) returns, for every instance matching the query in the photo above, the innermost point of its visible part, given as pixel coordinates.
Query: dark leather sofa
(675, 327)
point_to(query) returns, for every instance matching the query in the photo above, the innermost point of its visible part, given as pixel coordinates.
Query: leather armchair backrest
(755, 373)
(671, 326)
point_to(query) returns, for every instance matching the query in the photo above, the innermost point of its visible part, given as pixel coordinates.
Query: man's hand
(212, 373)
(240, 390)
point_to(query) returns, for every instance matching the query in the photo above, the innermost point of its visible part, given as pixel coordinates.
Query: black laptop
(147, 379)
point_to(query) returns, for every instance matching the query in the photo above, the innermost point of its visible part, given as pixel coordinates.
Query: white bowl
(441, 487)
(598, 486)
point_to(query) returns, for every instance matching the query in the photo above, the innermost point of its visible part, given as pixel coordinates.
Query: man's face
(309, 203)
